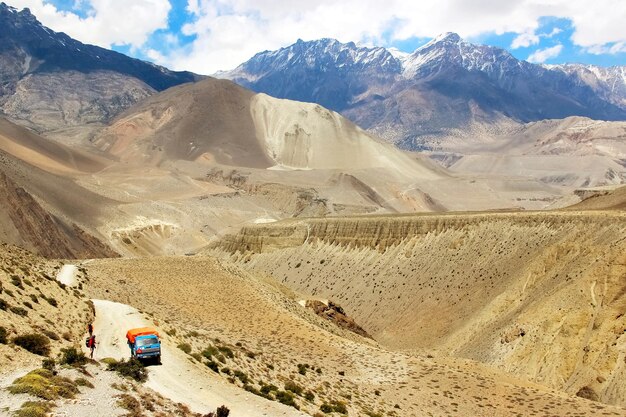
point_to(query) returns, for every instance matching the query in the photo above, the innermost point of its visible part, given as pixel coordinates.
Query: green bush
(34, 409)
(72, 356)
(3, 335)
(131, 368)
(42, 383)
(34, 343)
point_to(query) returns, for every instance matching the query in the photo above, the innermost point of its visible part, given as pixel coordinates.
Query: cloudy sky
(205, 36)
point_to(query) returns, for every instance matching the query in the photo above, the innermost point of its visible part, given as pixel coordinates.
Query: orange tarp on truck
(141, 331)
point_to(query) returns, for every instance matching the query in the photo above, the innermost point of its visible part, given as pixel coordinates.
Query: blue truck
(144, 344)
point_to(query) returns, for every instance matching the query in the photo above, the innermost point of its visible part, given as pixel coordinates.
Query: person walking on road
(91, 344)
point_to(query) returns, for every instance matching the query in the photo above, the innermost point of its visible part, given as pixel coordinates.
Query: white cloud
(109, 22)
(228, 32)
(542, 55)
(525, 40)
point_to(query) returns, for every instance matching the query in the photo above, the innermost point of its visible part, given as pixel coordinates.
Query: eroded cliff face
(542, 295)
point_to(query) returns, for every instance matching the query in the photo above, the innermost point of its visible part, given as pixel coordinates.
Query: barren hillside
(253, 333)
(540, 295)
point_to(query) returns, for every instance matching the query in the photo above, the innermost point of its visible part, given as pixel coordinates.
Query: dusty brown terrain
(36, 302)
(210, 303)
(539, 295)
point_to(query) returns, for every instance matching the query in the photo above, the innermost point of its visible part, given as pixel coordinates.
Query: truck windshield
(147, 341)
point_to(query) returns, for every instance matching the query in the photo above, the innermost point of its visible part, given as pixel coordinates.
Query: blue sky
(209, 35)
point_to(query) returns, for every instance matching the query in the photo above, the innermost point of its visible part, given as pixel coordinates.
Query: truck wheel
(158, 360)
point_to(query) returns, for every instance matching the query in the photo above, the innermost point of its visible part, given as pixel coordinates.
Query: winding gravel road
(177, 378)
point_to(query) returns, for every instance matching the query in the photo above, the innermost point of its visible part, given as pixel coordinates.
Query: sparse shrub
(310, 397)
(209, 352)
(19, 311)
(222, 411)
(197, 356)
(82, 382)
(252, 389)
(72, 356)
(226, 371)
(50, 334)
(270, 366)
(587, 393)
(319, 371)
(34, 409)
(334, 407)
(130, 403)
(28, 282)
(302, 369)
(226, 351)
(251, 355)
(213, 366)
(3, 305)
(34, 298)
(241, 376)
(34, 343)
(293, 387)
(52, 301)
(185, 347)
(67, 336)
(42, 383)
(287, 398)
(171, 332)
(131, 368)
(49, 364)
(266, 389)
(17, 281)
(27, 304)
(3, 336)
(193, 333)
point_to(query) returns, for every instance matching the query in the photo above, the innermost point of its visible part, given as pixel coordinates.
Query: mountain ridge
(446, 83)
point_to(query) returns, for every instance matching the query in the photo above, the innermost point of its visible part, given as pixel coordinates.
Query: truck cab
(144, 344)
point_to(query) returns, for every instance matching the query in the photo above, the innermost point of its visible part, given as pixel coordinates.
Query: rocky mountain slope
(445, 84)
(49, 81)
(540, 295)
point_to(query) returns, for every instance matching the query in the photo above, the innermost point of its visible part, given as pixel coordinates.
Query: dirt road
(177, 378)
(67, 275)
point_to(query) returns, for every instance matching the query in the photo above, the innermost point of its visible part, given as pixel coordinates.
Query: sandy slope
(177, 378)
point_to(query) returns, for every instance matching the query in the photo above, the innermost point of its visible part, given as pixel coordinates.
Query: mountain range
(37, 65)
(446, 84)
